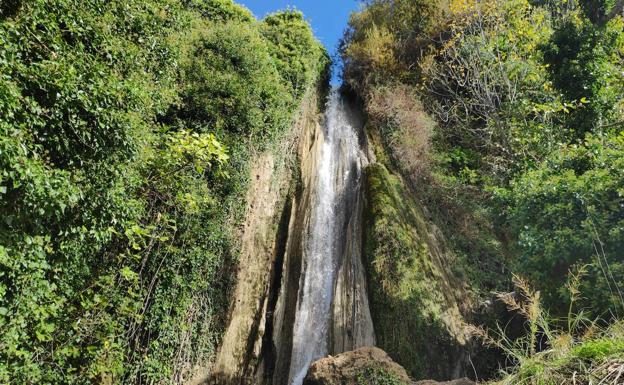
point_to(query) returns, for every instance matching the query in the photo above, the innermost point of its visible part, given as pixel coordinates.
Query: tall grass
(574, 350)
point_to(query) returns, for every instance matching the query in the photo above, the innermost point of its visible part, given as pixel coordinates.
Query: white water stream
(338, 181)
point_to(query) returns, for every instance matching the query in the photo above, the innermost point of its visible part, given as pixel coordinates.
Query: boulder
(347, 368)
(367, 363)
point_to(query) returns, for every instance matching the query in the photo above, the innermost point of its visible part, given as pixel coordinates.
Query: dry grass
(408, 128)
(584, 354)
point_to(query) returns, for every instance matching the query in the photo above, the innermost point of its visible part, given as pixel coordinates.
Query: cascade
(332, 313)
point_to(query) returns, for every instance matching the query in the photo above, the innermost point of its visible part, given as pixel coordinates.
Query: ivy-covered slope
(126, 129)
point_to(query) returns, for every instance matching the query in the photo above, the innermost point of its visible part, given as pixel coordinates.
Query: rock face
(257, 347)
(263, 242)
(347, 368)
(367, 365)
(418, 301)
(329, 182)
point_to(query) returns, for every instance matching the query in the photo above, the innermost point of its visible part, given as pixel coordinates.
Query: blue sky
(328, 17)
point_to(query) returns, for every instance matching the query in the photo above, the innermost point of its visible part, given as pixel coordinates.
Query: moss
(531, 368)
(407, 295)
(377, 376)
(599, 349)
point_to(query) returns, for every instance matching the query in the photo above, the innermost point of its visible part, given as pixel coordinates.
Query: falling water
(337, 187)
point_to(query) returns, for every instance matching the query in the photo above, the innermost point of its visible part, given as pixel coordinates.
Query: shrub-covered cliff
(504, 119)
(126, 133)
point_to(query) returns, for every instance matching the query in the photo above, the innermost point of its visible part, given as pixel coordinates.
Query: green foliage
(117, 199)
(386, 37)
(298, 56)
(377, 376)
(567, 212)
(585, 63)
(232, 61)
(221, 10)
(600, 11)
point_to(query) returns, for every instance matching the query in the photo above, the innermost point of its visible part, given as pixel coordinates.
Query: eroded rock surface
(347, 368)
(266, 227)
(368, 365)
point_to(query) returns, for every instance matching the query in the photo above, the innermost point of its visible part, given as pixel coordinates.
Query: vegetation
(582, 353)
(377, 376)
(412, 303)
(125, 132)
(505, 119)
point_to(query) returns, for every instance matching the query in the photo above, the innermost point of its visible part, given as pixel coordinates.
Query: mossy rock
(408, 289)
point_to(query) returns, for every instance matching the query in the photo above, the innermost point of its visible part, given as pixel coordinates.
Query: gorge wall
(327, 229)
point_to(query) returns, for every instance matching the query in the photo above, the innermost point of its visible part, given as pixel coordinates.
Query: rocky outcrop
(274, 364)
(415, 300)
(418, 301)
(367, 365)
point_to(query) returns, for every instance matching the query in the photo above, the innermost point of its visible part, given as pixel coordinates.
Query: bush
(584, 62)
(221, 10)
(405, 127)
(384, 40)
(299, 57)
(568, 212)
(231, 83)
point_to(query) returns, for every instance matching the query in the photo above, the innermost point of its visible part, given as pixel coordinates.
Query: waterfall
(332, 290)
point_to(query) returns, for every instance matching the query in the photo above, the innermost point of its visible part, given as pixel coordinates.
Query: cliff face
(274, 194)
(387, 252)
(276, 242)
(275, 363)
(418, 302)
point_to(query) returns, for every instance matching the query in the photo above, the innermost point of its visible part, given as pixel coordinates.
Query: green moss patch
(407, 295)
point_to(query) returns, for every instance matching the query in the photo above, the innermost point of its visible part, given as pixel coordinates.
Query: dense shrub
(231, 61)
(568, 212)
(484, 84)
(385, 38)
(294, 49)
(220, 10)
(585, 63)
